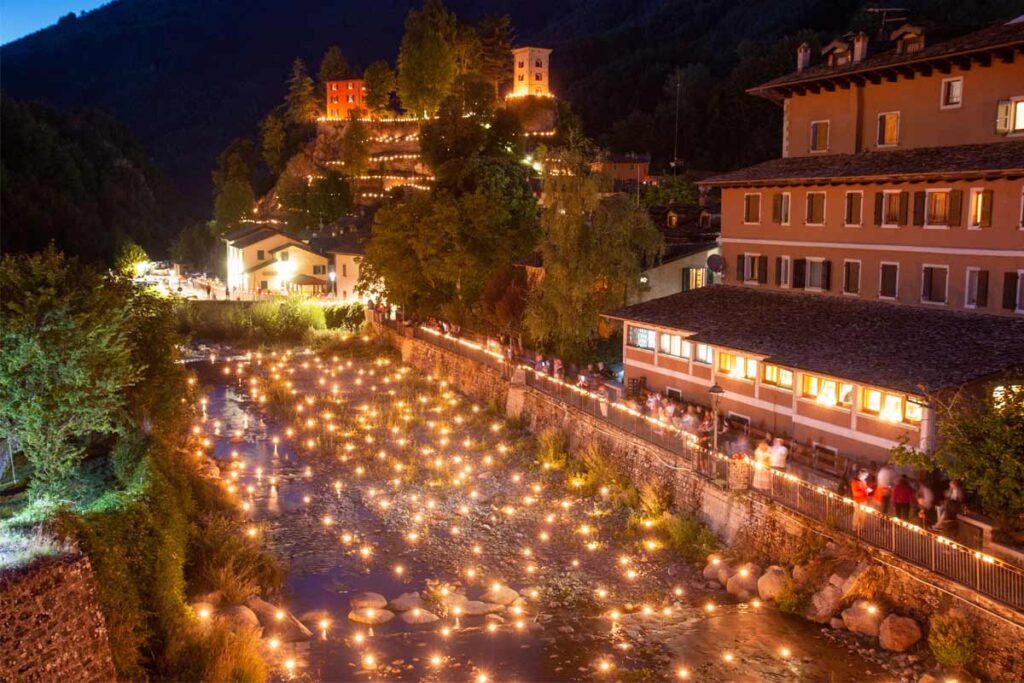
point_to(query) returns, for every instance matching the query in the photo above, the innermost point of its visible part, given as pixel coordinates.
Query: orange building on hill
(345, 97)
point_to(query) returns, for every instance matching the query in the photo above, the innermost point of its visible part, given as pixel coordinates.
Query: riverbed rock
(898, 634)
(287, 628)
(367, 599)
(453, 600)
(500, 595)
(478, 608)
(725, 572)
(418, 615)
(772, 582)
(863, 617)
(371, 616)
(837, 623)
(824, 604)
(313, 617)
(239, 616)
(406, 602)
(743, 584)
(715, 561)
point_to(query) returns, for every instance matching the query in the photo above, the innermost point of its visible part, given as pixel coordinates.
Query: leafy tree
(329, 197)
(426, 60)
(129, 256)
(232, 181)
(379, 80)
(451, 135)
(301, 102)
(273, 142)
(197, 245)
(65, 363)
(671, 190)
(333, 66)
(981, 443)
(496, 38)
(355, 148)
(593, 251)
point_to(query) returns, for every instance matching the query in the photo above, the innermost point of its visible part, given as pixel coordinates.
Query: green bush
(345, 316)
(234, 581)
(214, 651)
(793, 598)
(222, 557)
(292, 319)
(688, 536)
(952, 640)
(552, 448)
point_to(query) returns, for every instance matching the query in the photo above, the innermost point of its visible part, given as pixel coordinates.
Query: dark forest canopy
(81, 181)
(188, 76)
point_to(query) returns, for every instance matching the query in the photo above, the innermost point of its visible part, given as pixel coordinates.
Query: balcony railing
(970, 568)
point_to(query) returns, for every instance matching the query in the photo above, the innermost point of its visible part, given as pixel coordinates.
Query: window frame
(1015, 102)
(820, 381)
(1020, 291)
(824, 208)
(887, 198)
(745, 206)
(943, 104)
(862, 406)
(787, 268)
(828, 136)
(896, 294)
(846, 223)
(860, 272)
(967, 286)
(820, 260)
(979, 192)
(777, 382)
(629, 338)
(684, 345)
(750, 265)
(785, 214)
(948, 191)
(945, 294)
(879, 129)
(697, 354)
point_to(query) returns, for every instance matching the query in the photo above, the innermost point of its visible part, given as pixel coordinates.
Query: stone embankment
(51, 626)
(903, 597)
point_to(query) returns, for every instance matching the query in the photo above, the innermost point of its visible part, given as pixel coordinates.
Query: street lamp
(716, 396)
(334, 286)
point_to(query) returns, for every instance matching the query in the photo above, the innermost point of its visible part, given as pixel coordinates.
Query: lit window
(888, 129)
(673, 345)
(779, 377)
(827, 392)
(641, 338)
(893, 208)
(889, 407)
(1010, 116)
(912, 411)
(703, 354)
(981, 208)
(819, 136)
(737, 367)
(952, 92)
(938, 207)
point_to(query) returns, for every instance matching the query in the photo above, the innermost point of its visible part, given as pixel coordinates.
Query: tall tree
(496, 37)
(333, 66)
(232, 182)
(379, 80)
(273, 142)
(593, 251)
(129, 257)
(426, 62)
(329, 198)
(301, 101)
(355, 148)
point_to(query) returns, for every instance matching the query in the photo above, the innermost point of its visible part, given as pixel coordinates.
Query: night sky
(21, 17)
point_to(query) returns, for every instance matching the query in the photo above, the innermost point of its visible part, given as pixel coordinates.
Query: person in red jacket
(902, 497)
(859, 491)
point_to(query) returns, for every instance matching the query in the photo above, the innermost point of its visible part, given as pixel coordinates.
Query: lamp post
(716, 396)
(333, 276)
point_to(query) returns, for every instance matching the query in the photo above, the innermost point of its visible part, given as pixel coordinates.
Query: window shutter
(777, 208)
(799, 273)
(686, 280)
(926, 284)
(956, 207)
(1004, 110)
(879, 201)
(809, 212)
(982, 294)
(826, 275)
(848, 277)
(740, 263)
(986, 208)
(762, 269)
(1010, 291)
(919, 201)
(778, 271)
(904, 207)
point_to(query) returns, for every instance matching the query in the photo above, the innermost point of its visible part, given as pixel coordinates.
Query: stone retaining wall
(51, 627)
(736, 516)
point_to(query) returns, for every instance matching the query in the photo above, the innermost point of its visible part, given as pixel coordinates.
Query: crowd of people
(930, 500)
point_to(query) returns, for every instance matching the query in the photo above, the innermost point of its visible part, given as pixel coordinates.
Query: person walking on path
(859, 492)
(883, 488)
(779, 455)
(902, 497)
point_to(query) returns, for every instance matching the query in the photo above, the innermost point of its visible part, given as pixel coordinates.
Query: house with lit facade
(262, 259)
(879, 261)
(345, 98)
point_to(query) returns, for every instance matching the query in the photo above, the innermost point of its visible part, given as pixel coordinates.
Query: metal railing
(970, 568)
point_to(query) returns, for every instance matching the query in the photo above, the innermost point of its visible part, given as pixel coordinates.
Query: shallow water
(566, 635)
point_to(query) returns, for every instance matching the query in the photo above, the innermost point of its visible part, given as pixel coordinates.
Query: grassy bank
(292, 320)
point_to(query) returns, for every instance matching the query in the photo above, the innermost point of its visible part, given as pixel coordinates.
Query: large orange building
(879, 260)
(345, 98)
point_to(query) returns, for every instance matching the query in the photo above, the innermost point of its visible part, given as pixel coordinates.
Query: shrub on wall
(952, 640)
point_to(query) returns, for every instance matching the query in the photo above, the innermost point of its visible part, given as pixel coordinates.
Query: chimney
(860, 47)
(803, 56)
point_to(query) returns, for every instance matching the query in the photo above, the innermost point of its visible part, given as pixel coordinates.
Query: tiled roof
(241, 232)
(1003, 158)
(987, 39)
(256, 236)
(904, 348)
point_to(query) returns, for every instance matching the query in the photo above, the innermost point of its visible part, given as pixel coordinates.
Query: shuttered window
(976, 290)
(933, 284)
(888, 129)
(854, 208)
(888, 280)
(981, 209)
(815, 208)
(752, 208)
(819, 136)
(851, 277)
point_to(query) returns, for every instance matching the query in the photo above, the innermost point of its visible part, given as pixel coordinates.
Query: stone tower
(530, 72)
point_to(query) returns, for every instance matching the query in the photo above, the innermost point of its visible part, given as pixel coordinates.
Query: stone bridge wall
(736, 516)
(51, 627)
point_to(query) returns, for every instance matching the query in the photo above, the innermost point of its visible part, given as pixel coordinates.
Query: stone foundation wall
(51, 627)
(737, 517)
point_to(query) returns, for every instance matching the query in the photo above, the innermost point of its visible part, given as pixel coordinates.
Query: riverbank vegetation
(294, 319)
(95, 400)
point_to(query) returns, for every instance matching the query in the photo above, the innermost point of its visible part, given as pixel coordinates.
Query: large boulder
(898, 634)
(418, 615)
(725, 572)
(840, 585)
(743, 584)
(239, 616)
(476, 608)
(863, 617)
(371, 600)
(406, 602)
(278, 622)
(824, 604)
(500, 595)
(371, 616)
(772, 582)
(715, 562)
